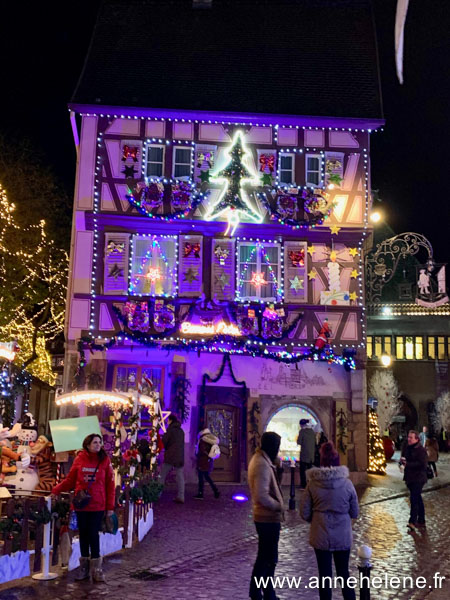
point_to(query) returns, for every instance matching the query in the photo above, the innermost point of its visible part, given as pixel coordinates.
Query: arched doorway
(285, 422)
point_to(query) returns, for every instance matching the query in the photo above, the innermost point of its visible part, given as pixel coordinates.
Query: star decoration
(311, 250)
(333, 255)
(115, 272)
(223, 280)
(191, 275)
(312, 274)
(353, 252)
(334, 229)
(353, 296)
(129, 171)
(204, 176)
(354, 274)
(296, 283)
(258, 279)
(266, 179)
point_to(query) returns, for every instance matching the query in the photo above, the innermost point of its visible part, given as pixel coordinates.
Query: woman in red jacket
(91, 471)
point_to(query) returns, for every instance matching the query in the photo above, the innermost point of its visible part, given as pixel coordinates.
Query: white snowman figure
(26, 478)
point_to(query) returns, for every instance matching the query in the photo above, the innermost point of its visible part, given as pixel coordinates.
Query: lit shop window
(155, 161)
(313, 169)
(286, 168)
(409, 347)
(378, 345)
(182, 163)
(285, 422)
(153, 266)
(436, 347)
(128, 377)
(259, 272)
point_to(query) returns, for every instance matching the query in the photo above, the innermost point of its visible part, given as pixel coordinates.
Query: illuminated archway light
(223, 206)
(94, 398)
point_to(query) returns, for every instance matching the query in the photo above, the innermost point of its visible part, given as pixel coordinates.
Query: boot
(96, 570)
(83, 571)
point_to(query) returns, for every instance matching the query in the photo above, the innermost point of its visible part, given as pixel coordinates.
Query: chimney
(201, 3)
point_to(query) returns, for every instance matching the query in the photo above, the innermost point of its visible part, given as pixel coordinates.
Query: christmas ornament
(312, 274)
(181, 196)
(164, 317)
(297, 258)
(137, 316)
(334, 229)
(129, 171)
(354, 274)
(130, 152)
(221, 254)
(258, 279)
(152, 195)
(311, 250)
(266, 179)
(353, 296)
(191, 275)
(115, 272)
(267, 161)
(296, 283)
(153, 274)
(207, 157)
(272, 324)
(324, 335)
(286, 206)
(353, 252)
(248, 325)
(115, 247)
(204, 176)
(316, 201)
(223, 280)
(193, 249)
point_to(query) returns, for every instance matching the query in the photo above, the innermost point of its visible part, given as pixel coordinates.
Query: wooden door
(223, 421)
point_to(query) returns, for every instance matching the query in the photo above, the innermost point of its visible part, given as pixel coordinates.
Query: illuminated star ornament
(311, 250)
(233, 202)
(258, 279)
(353, 252)
(312, 274)
(353, 296)
(334, 229)
(296, 283)
(354, 274)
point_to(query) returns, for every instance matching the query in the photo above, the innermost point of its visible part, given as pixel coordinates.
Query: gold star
(311, 250)
(353, 296)
(312, 274)
(354, 274)
(334, 229)
(191, 275)
(333, 255)
(223, 279)
(353, 251)
(296, 283)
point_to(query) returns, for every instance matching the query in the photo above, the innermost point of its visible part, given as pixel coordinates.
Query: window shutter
(115, 279)
(204, 159)
(334, 163)
(190, 268)
(295, 273)
(223, 269)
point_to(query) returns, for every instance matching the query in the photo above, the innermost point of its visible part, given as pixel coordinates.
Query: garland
(182, 385)
(180, 214)
(311, 221)
(145, 493)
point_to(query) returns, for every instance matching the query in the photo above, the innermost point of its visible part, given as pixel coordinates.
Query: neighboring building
(408, 320)
(205, 225)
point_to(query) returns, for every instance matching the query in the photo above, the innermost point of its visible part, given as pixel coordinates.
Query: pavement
(206, 549)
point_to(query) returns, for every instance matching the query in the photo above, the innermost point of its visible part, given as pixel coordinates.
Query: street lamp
(386, 360)
(375, 217)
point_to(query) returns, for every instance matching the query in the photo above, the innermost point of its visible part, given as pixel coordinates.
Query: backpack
(214, 452)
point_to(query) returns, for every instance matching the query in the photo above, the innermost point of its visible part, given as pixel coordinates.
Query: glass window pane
(387, 345)
(419, 347)
(399, 350)
(313, 178)
(441, 348)
(154, 170)
(313, 163)
(378, 347)
(286, 162)
(431, 348)
(183, 155)
(182, 171)
(154, 154)
(286, 177)
(409, 348)
(369, 346)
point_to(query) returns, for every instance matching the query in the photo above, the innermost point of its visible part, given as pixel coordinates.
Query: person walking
(173, 441)
(415, 460)
(432, 448)
(307, 442)
(91, 472)
(423, 435)
(268, 512)
(205, 463)
(329, 504)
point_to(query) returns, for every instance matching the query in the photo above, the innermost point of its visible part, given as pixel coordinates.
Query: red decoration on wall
(193, 249)
(286, 206)
(130, 152)
(267, 161)
(324, 334)
(181, 196)
(297, 258)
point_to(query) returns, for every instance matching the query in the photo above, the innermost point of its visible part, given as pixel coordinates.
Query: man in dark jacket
(307, 442)
(415, 460)
(173, 441)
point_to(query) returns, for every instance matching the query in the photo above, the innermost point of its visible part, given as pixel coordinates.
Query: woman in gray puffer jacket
(329, 503)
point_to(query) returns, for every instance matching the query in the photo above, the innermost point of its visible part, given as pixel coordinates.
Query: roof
(291, 57)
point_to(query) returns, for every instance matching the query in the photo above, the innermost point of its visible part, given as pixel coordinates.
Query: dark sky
(43, 46)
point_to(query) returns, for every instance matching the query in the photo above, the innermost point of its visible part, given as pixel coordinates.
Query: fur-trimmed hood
(327, 476)
(206, 436)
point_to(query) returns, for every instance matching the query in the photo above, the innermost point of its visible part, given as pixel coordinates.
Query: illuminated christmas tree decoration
(233, 202)
(377, 458)
(258, 279)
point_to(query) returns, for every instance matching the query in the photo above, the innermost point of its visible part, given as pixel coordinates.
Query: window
(182, 159)
(418, 343)
(259, 272)
(399, 348)
(431, 348)
(441, 348)
(128, 377)
(369, 346)
(411, 347)
(436, 347)
(313, 169)
(378, 345)
(154, 266)
(155, 161)
(286, 168)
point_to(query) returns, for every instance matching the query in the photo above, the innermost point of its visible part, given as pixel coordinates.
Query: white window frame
(307, 171)
(257, 297)
(154, 263)
(174, 164)
(154, 162)
(292, 156)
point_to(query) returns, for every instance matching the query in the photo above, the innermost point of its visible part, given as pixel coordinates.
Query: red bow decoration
(129, 454)
(189, 248)
(130, 152)
(297, 258)
(267, 161)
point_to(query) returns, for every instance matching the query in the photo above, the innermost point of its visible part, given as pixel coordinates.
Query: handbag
(430, 473)
(83, 497)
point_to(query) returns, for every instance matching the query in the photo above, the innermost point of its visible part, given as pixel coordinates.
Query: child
(206, 441)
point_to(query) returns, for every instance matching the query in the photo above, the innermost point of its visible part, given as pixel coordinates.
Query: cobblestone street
(205, 549)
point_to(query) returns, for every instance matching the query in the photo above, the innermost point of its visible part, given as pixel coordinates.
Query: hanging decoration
(258, 279)
(221, 254)
(233, 202)
(223, 280)
(297, 258)
(323, 337)
(297, 283)
(267, 162)
(191, 275)
(272, 322)
(248, 323)
(181, 196)
(286, 205)
(164, 316)
(335, 229)
(149, 198)
(182, 386)
(204, 156)
(266, 179)
(129, 171)
(115, 272)
(316, 201)
(130, 152)
(137, 316)
(115, 247)
(193, 249)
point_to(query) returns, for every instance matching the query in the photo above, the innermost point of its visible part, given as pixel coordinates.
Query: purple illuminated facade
(258, 304)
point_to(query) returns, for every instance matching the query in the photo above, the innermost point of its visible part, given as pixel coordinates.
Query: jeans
(266, 559)
(179, 472)
(417, 508)
(89, 524)
(202, 477)
(341, 558)
(304, 466)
